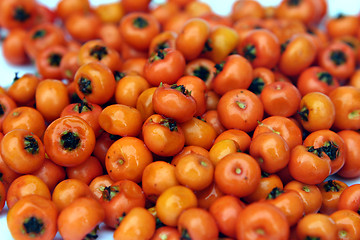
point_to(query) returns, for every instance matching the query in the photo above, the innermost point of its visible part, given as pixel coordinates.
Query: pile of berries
(172, 122)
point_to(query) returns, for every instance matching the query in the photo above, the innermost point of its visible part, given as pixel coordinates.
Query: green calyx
(219, 67)
(257, 85)
(338, 57)
(85, 85)
(181, 88)
(332, 186)
(207, 46)
(54, 59)
(119, 75)
(98, 52)
(70, 140)
(275, 192)
(202, 72)
(33, 227)
(250, 52)
(159, 55)
(109, 192)
(284, 45)
(326, 77)
(20, 14)
(140, 22)
(317, 151)
(185, 234)
(304, 113)
(170, 124)
(162, 46)
(83, 106)
(331, 149)
(93, 234)
(31, 145)
(264, 174)
(39, 34)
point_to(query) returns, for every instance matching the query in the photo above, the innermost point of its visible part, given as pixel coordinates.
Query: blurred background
(221, 7)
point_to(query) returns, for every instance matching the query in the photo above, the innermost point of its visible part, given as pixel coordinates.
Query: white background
(219, 6)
